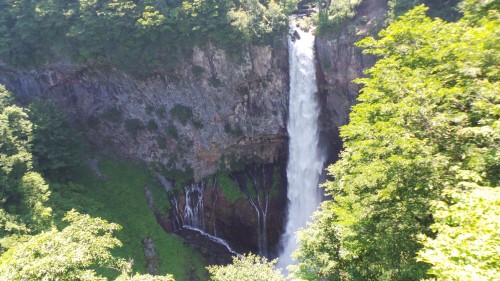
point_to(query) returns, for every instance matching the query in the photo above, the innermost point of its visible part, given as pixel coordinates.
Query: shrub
(197, 123)
(172, 131)
(133, 126)
(181, 113)
(160, 112)
(152, 126)
(113, 114)
(197, 70)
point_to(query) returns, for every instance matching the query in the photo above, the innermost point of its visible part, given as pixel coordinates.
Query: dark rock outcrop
(150, 255)
(340, 62)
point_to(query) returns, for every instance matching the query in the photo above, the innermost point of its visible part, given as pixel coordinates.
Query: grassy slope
(229, 188)
(121, 199)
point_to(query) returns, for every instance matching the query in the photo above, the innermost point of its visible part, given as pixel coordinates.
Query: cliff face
(212, 106)
(211, 112)
(340, 62)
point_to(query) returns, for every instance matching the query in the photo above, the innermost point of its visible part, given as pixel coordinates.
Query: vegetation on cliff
(136, 36)
(43, 233)
(333, 15)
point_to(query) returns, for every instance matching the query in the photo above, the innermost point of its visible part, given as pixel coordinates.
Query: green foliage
(247, 268)
(35, 194)
(127, 275)
(172, 131)
(56, 147)
(15, 137)
(259, 20)
(23, 192)
(474, 10)
(137, 36)
(68, 254)
(181, 177)
(427, 124)
(152, 126)
(332, 17)
(466, 247)
(181, 113)
(120, 198)
(230, 188)
(73, 253)
(197, 70)
(445, 9)
(84, 249)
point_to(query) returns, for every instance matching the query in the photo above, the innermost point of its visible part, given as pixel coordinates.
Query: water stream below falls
(193, 222)
(305, 162)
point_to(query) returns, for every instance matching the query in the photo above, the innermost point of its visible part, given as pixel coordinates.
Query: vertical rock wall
(213, 106)
(340, 62)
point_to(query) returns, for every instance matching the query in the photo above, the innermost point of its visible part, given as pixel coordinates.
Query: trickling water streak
(214, 239)
(215, 198)
(194, 213)
(305, 162)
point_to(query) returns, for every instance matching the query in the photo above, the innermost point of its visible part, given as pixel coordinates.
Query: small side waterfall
(257, 183)
(193, 217)
(194, 214)
(214, 239)
(305, 162)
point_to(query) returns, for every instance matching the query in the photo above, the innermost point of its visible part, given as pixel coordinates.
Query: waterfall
(305, 162)
(194, 214)
(214, 239)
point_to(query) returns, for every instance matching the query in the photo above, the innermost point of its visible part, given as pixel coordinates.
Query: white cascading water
(194, 213)
(305, 162)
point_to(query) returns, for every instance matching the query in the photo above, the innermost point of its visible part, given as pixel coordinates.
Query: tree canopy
(23, 191)
(136, 36)
(66, 254)
(421, 144)
(31, 246)
(56, 146)
(334, 14)
(249, 267)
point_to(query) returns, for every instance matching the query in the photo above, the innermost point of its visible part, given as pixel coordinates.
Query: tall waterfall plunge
(305, 162)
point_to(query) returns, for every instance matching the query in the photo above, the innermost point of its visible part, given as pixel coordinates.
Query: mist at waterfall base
(305, 162)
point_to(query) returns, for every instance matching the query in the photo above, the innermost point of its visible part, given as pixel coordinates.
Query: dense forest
(138, 36)
(414, 195)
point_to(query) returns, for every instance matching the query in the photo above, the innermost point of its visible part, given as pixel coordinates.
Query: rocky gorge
(215, 114)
